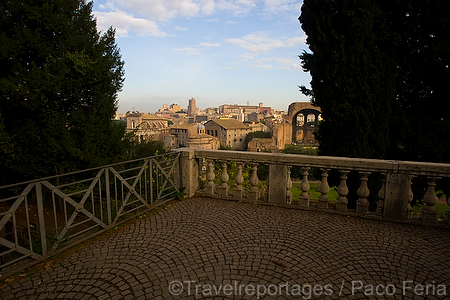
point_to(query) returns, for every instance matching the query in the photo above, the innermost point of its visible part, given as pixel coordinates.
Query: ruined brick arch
(302, 130)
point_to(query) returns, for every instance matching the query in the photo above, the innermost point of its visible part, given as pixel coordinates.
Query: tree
(352, 75)
(380, 71)
(141, 149)
(58, 88)
(421, 124)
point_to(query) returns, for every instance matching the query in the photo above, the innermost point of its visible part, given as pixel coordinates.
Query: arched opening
(310, 136)
(300, 120)
(311, 119)
(299, 136)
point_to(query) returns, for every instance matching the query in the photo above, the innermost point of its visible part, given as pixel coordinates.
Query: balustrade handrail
(334, 162)
(79, 171)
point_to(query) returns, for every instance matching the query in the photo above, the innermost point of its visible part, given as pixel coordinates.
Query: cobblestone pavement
(217, 249)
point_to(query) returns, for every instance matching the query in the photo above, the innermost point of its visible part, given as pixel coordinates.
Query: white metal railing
(393, 196)
(39, 218)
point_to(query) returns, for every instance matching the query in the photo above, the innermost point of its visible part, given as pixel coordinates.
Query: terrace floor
(217, 249)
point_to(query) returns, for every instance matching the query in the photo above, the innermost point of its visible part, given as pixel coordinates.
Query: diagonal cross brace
(75, 203)
(131, 188)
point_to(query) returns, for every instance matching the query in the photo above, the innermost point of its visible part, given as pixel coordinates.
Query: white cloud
(281, 6)
(141, 15)
(210, 44)
(278, 63)
(207, 7)
(188, 50)
(160, 10)
(124, 22)
(259, 42)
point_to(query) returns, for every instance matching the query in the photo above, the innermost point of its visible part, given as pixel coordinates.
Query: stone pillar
(323, 188)
(189, 172)
(289, 186)
(210, 176)
(238, 190)
(407, 212)
(342, 201)
(381, 195)
(278, 180)
(397, 196)
(362, 204)
(253, 192)
(223, 187)
(303, 198)
(428, 213)
(447, 212)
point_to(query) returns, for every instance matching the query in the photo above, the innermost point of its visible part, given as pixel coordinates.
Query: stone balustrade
(199, 177)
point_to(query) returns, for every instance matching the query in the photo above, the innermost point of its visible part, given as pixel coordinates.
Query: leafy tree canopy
(379, 73)
(58, 89)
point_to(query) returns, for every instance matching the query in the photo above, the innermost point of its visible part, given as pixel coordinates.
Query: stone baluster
(303, 198)
(381, 196)
(447, 212)
(210, 176)
(409, 209)
(342, 202)
(323, 188)
(362, 204)
(428, 213)
(238, 191)
(253, 192)
(224, 177)
(288, 186)
(267, 191)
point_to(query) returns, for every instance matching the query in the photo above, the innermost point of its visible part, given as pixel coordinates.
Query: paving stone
(203, 242)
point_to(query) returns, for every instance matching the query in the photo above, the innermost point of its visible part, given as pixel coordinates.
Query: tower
(191, 110)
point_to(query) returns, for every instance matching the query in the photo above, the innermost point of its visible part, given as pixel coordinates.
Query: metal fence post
(41, 215)
(108, 196)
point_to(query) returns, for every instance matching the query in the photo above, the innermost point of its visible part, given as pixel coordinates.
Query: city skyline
(218, 52)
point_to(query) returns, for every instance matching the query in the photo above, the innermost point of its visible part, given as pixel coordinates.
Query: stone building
(262, 145)
(147, 126)
(247, 109)
(201, 140)
(179, 135)
(191, 109)
(294, 129)
(230, 132)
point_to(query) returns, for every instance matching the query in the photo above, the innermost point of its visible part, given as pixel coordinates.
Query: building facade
(230, 132)
(201, 140)
(147, 126)
(247, 109)
(179, 135)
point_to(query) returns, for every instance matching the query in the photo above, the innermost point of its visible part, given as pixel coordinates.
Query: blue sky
(216, 51)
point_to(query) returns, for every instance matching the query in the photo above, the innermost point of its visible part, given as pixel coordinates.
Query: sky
(216, 51)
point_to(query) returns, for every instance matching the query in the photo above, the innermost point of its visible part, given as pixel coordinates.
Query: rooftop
(229, 123)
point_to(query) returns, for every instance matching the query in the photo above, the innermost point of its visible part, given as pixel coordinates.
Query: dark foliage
(59, 80)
